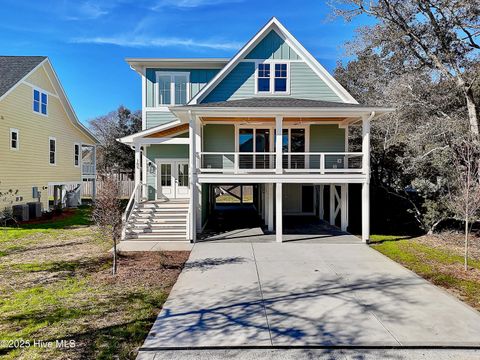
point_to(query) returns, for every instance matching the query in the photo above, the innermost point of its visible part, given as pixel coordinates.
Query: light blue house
(271, 117)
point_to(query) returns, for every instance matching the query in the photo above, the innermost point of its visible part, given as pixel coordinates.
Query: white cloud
(145, 41)
(190, 4)
(86, 10)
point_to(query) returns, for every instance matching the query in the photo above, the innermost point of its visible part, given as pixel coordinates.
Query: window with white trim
(172, 88)
(52, 150)
(272, 78)
(40, 101)
(14, 139)
(76, 155)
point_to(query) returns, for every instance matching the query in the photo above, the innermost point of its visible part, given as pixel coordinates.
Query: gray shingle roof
(14, 68)
(277, 102)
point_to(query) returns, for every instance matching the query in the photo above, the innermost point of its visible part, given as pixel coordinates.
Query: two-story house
(43, 144)
(271, 116)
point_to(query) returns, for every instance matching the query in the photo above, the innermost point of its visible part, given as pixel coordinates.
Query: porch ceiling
(169, 132)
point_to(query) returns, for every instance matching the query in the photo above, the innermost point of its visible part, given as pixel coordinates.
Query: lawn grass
(56, 284)
(441, 264)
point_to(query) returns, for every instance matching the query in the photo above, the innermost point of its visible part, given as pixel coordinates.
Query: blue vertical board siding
(238, 84)
(272, 46)
(198, 79)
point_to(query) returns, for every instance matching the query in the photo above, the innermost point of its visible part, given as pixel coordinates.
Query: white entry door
(172, 179)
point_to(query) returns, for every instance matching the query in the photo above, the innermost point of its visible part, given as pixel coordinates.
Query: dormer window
(272, 78)
(172, 88)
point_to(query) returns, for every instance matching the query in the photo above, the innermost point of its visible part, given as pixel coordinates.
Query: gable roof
(276, 25)
(15, 68)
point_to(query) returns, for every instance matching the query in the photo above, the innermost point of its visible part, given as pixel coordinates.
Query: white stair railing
(135, 198)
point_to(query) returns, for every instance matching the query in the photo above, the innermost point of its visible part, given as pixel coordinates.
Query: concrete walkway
(305, 294)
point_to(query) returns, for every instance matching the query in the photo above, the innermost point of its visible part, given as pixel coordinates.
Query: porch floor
(241, 223)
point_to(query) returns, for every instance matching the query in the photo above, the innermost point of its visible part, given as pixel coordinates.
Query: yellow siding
(29, 166)
(39, 78)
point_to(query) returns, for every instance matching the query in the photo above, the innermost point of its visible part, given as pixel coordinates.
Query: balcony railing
(250, 162)
(88, 169)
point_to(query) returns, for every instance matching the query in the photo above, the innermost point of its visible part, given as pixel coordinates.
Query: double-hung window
(52, 150)
(272, 78)
(14, 139)
(172, 88)
(40, 102)
(76, 154)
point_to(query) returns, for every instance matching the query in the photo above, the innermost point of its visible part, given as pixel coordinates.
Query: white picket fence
(126, 188)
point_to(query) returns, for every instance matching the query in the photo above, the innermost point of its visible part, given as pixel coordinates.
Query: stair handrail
(134, 199)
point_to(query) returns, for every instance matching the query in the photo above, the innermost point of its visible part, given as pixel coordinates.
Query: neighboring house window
(52, 147)
(76, 154)
(272, 78)
(172, 88)
(40, 102)
(14, 139)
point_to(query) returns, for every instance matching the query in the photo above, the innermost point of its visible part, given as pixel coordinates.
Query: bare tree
(107, 214)
(442, 36)
(465, 197)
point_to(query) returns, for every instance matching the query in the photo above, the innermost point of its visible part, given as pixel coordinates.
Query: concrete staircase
(158, 221)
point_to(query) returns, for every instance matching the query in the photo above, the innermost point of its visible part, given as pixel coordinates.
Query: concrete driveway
(306, 294)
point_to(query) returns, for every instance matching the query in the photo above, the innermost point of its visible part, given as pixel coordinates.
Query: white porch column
(192, 181)
(366, 183)
(279, 213)
(198, 150)
(332, 205)
(278, 144)
(321, 203)
(138, 169)
(343, 207)
(269, 206)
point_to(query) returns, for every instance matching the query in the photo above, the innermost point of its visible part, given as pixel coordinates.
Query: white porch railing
(88, 169)
(312, 162)
(237, 162)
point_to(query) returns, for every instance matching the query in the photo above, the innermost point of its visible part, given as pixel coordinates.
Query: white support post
(192, 180)
(138, 169)
(278, 144)
(332, 204)
(366, 184)
(269, 195)
(321, 203)
(343, 207)
(198, 150)
(279, 213)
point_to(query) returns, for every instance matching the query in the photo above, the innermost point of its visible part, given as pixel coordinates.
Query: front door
(172, 179)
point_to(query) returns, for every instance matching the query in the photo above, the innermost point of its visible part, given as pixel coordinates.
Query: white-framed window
(76, 155)
(272, 77)
(52, 151)
(14, 139)
(173, 88)
(40, 102)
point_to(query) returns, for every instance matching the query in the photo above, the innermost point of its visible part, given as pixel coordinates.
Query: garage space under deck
(246, 220)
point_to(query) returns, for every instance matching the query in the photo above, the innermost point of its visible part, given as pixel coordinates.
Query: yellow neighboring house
(44, 148)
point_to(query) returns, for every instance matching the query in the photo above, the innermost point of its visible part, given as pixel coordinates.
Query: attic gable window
(172, 88)
(40, 102)
(272, 78)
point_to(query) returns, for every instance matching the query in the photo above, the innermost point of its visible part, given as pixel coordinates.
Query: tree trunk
(114, 268)
(466, 243)
(472, 110)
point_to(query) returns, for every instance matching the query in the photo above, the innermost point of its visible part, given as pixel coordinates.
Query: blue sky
(87, 41)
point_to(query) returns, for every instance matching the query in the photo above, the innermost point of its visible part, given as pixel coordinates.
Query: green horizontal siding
(327, 138)
(198, 79)
(155, 118)
(238, 84)
(218, 138)
(305, 84)
(272, 46)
